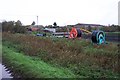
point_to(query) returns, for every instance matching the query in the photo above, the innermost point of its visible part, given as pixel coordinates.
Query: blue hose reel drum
(98, 37)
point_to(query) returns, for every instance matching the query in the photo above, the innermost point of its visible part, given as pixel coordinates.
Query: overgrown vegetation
(80, 56)
(36, 68)
(13, 27)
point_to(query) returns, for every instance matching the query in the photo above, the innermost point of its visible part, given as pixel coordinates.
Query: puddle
(4, 72)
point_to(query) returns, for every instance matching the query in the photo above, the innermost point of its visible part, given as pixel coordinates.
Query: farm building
(87, 25)
(81, 25)
(35, 27)
(51, 29)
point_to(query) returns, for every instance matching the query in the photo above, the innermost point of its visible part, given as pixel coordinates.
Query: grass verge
(30, 67)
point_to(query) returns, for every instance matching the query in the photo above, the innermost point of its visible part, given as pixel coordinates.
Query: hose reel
(98, 37)
(74, 33)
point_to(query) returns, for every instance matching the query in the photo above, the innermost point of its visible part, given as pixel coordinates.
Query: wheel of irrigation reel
(74, 33)
(98, 37)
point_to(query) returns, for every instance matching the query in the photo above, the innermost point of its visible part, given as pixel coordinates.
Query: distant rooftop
(37, 26)
(89, 24)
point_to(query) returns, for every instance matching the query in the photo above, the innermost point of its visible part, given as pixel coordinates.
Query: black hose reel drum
(98, 37)
(79, 33)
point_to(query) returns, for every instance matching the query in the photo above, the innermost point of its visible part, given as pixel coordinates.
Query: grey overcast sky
(64, 12)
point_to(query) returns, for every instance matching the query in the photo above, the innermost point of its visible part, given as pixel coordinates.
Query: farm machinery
(97, 36)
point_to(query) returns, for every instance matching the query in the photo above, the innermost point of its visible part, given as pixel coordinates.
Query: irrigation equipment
(97, 36)
(74, 33)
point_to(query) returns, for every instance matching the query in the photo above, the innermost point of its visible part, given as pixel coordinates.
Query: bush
(13, 27)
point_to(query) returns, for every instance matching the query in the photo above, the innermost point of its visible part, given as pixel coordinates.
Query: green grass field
(60, 57)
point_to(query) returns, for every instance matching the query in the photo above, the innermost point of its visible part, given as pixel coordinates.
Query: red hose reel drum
(74, 33)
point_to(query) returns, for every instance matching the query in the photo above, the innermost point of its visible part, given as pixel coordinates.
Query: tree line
(13, 27)
(17, 27)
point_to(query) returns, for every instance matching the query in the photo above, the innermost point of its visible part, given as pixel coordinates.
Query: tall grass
(74, 54)
(30, 67)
